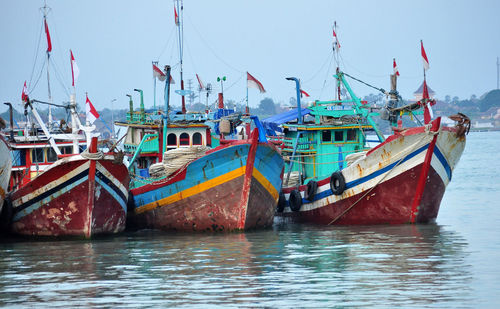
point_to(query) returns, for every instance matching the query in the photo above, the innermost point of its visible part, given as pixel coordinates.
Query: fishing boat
(5, 166)
(61, 184)
(233, 186)
(56, 190)
(332, 176)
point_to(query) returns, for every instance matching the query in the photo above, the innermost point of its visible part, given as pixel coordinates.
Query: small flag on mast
(49, 43)
(92, 113)
(176, 17)
(161, 75)
(302, 92)
(336, 40)
(252, 82)
(158, 73)
(395, 67)
(424, 56)
(75, 71)
(24, 95)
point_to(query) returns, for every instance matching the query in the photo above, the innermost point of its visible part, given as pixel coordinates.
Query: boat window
(66, 150)
(51, 155)
(326, 136)
(184, 139)
(351, 134)
(339, 136)
(172, 139)
(37, 155)
(197, 139)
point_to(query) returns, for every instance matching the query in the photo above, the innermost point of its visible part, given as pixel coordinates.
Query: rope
(358, 80)
(92, 156)
(381, 179)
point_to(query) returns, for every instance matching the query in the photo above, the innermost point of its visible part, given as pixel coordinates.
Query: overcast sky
(114, 43)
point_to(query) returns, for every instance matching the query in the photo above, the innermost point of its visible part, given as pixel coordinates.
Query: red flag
(252, 82)
(49, 43)
(302, 92)
(336, 42)
(158, 73)
(395, 67)
(161, 75)
(75, 71)
(200, 82)
(176, 17)
(24, 95)
(92, 113)
(428, 113)
(424, 56)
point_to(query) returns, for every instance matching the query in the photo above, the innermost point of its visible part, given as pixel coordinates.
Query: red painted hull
(231, 187)
(75, 197)
(400, 181)
(216, 209)
(388, 203)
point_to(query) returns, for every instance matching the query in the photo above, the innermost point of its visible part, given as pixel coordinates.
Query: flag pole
(154, 86)
(247, 110)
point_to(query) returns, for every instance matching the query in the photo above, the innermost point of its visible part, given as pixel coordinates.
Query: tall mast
(154, 87)
(336, 47)
(46, 10)
(180, 32)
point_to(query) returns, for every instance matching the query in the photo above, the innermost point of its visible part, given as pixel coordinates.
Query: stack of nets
(175, 159)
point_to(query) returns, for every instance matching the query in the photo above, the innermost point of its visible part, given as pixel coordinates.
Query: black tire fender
(281, 203)
(295, 200)
(337, 183)
(312, 188)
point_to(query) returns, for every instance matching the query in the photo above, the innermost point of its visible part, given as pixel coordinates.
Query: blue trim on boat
(366, 178)
(113, 189)
(443, 161)
(118, 197)
(44, 198)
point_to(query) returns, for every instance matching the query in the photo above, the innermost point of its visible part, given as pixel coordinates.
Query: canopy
(272, 124)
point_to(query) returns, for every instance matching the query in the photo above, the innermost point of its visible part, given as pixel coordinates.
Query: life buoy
(295, 200)
(337, 183)
(281, 203)
(312, 187)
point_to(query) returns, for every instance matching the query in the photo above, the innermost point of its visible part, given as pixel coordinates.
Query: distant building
(418, 93)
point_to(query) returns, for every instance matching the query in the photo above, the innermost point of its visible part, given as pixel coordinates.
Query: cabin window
(351, 134)
(172, 139)
(18, 157)
(51, 155)
(66, 150)
(326, 136)
(37, 155)
(197, 139)
(184, 139)
(339, 136)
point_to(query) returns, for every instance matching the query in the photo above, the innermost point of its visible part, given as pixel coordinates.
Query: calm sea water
(454, 263)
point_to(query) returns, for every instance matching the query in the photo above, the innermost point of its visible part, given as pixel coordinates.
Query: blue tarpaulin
(272, 124)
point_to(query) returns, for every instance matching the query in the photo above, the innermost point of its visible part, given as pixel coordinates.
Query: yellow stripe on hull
(208, 185)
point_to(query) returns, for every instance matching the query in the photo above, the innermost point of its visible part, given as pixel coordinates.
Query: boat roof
(273, 123)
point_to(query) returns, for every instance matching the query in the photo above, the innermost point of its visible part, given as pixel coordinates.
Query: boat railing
(149, 144)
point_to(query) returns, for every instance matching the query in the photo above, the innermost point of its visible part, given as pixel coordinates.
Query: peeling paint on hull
(74, 197)
(237, 190)
(383, 187)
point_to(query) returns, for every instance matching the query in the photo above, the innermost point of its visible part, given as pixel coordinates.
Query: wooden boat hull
(400, 181)
(232, 187)
(5, 167)
(74, 197)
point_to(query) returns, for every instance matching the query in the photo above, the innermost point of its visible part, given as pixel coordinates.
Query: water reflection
(289, 265)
